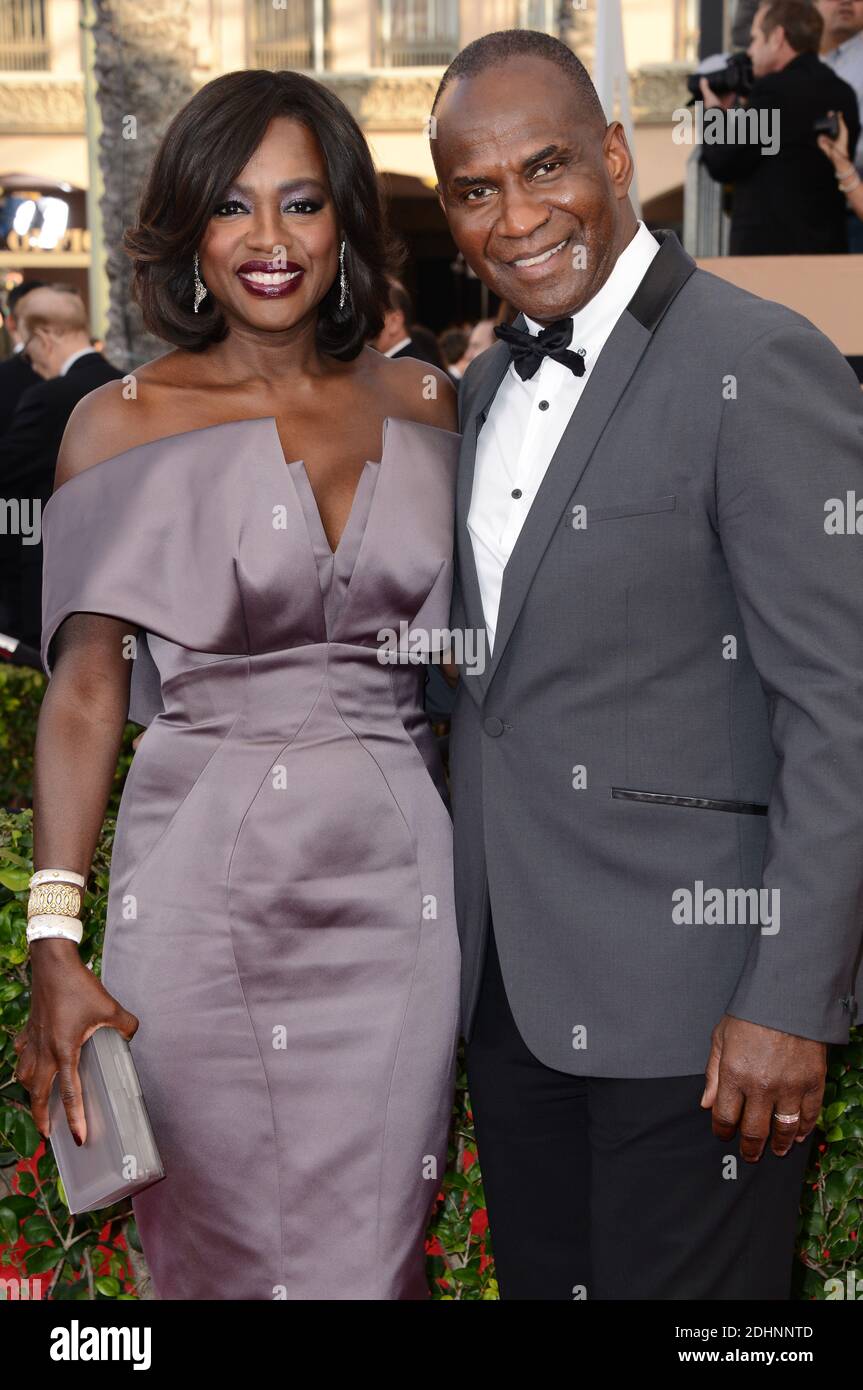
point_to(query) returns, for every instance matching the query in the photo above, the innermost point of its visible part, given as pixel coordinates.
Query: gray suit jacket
(675, 696)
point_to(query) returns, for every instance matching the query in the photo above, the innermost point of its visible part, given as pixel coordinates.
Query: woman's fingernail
(78, 1140)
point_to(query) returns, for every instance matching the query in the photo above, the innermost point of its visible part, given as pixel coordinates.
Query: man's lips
(535, 263)
(270, 279)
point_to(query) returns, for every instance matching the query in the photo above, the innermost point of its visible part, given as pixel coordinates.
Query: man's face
(532, 185)
(764, 48)
(842, 19)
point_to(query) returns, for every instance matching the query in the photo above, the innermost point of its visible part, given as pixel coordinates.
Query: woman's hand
(68, 1004)
(837, 150)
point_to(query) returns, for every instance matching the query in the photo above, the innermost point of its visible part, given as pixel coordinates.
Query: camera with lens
(725, 72)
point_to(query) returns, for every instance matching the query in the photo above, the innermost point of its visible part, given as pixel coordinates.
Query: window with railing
(24, 44)
(293, 35)
(416, 33)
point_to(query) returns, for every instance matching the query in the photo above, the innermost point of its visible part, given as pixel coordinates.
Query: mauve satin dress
(281, 915)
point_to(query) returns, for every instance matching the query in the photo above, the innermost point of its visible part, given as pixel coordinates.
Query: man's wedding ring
(787, 1119)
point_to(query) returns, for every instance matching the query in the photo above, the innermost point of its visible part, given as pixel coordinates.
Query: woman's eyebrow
(288, 186)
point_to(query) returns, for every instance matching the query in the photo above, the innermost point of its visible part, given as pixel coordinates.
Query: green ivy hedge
(98, 1256)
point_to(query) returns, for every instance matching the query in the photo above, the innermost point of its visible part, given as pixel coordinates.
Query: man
(651, 459)
(842, 50)
(16, 373)
(785, 199)
(397, 339)
(53, 327)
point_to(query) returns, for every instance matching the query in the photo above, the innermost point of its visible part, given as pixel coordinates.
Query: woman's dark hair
(203, 150)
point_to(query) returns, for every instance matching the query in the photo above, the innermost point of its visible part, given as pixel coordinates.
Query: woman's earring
(200, 287)
(343, 279)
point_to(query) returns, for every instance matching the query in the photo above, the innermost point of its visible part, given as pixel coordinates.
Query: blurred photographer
(786, 199)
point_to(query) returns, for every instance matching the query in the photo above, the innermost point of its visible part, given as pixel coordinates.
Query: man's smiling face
(533, 184)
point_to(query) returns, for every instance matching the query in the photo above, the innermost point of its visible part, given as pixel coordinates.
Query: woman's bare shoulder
(421, 391)
(113, 418)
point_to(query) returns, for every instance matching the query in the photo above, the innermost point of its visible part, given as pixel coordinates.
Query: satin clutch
(119, 1156)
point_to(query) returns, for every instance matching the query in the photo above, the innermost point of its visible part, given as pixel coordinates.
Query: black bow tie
(528, 349)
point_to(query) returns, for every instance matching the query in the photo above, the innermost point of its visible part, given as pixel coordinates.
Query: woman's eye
(304, 205)
(229, 207)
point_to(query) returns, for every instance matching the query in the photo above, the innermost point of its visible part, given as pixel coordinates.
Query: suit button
(493, 726)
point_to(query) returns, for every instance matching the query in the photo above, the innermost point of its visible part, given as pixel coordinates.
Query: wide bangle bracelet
(61, 899)
(56, 876)
(50, 924)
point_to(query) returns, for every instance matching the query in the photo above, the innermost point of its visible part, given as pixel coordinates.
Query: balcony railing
(416, 33)
(24, 43)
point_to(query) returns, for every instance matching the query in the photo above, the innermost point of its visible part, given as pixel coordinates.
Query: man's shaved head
(492, 49)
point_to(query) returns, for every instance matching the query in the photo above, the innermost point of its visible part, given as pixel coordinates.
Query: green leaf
(42, 1258)
(108, 1286)
(16, 880)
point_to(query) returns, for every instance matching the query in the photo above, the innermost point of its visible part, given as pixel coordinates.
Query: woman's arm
(78, 740)
(837, 152)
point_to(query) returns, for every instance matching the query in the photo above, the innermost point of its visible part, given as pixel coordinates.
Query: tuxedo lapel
(666, 274)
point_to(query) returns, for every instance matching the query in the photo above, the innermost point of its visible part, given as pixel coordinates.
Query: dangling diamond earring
(343, 279)
(200, 287)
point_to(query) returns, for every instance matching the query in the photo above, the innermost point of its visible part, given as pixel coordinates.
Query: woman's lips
(267, 281)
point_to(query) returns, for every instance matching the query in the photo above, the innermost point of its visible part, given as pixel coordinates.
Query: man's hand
(710, 98)
(756, 1077)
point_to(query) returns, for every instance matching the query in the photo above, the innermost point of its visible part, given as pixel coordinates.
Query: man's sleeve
(789, 480)
(734, 160)
(24, 441)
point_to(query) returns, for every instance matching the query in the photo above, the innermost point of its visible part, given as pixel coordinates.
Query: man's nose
(521, 214)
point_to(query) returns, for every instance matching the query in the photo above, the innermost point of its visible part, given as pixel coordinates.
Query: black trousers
(606, 1188)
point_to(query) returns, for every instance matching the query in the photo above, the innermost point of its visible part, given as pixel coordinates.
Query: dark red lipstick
(270, 279)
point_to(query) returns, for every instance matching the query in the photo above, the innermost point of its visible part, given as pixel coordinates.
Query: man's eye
(469, 198)
(551, 164)
(229, 208)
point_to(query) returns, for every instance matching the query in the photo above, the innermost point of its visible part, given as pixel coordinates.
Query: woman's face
(271, 250)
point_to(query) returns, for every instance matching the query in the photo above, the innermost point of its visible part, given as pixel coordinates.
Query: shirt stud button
(543, 405)
(516, 492)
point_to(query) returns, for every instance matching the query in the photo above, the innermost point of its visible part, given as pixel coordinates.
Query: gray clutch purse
(119, 1155)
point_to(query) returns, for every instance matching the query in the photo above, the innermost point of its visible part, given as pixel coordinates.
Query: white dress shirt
(526, 420)
(847, 62)
(397, 347)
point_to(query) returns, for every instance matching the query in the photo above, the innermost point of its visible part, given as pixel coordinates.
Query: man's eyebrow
(471, 180)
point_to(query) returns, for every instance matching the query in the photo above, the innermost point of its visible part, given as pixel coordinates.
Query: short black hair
(491, 49)
(203, 150)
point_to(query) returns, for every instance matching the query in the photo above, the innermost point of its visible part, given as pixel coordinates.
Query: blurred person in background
(847, 176)
(452, 344)
(842, 50)
(481, 337)
(785, 202)
(16, 373)
(397, 338)
(52, 323)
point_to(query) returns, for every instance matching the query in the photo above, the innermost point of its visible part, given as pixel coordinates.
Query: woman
(243, 517)
(846, 175)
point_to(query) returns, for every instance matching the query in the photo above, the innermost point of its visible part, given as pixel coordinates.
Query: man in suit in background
(785, 199)
(53, 326)
(16, 373)
(397, 338)
(656, 776)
